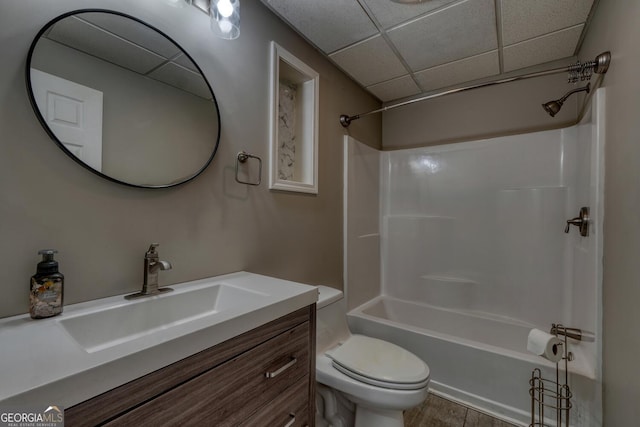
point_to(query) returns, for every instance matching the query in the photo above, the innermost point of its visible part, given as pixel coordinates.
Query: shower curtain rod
(600, 66)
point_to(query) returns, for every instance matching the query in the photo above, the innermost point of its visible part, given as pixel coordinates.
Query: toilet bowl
(381, 379)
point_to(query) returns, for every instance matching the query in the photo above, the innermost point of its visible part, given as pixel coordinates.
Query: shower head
(552, 107)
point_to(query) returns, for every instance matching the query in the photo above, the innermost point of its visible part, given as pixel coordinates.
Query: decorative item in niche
(293, 162)
(286, 130)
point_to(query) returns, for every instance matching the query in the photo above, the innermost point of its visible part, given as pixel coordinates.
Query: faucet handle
(581, 221)
(152, 249)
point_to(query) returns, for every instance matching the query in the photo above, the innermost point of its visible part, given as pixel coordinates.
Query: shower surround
(474, 255)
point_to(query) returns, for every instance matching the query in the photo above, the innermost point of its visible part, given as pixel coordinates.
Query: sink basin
(96, 346)
(101, 329)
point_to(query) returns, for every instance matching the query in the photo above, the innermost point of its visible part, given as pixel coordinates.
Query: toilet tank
(331, 318)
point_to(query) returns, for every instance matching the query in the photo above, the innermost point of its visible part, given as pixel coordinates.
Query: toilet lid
(380, 363)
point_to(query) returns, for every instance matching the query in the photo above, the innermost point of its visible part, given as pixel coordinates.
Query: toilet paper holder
(573, 333)
(552, 395)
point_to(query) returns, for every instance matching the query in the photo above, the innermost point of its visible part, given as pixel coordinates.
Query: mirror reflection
(123, 99)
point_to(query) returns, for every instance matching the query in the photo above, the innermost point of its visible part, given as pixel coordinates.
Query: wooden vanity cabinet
(264, 377)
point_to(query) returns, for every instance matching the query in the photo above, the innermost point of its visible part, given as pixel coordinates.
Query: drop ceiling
(132, 46)
(401, 50)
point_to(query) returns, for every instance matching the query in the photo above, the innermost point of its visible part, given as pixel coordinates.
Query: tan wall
(500, 110)
(207, 227)
(615, 28)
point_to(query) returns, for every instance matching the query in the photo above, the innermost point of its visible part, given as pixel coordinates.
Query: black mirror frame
(55, 139)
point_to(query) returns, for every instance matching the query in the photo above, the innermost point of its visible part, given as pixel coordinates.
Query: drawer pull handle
(282, 369)
(291, 421)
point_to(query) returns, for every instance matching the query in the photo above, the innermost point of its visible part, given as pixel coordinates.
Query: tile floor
(439, 412)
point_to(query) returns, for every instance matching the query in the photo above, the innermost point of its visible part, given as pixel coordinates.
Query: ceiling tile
(525, 19)
(389, 13)
(90, 39)
(464, 70)
(560, 44)
(131, 30)
(185, 62)
(329, 24)
(182, 78)
(355, 60)
(442, 42)
(458, 31)
(395, 89)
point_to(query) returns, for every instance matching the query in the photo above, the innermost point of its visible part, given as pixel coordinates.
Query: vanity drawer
(290, 409)
(231, 392)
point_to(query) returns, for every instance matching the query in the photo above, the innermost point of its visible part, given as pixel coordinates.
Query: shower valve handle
(581, 221)
(575, 221)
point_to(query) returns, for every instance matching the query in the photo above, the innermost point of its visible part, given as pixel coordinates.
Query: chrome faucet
(152, 264)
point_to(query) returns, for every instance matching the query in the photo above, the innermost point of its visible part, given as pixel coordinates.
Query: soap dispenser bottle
(46, 296)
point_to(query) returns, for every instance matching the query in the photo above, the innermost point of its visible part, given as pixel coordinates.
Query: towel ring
(242, 157)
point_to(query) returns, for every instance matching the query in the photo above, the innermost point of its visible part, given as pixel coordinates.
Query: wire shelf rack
(551, 400)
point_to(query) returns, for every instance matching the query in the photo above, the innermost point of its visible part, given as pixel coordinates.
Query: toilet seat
(379, 363)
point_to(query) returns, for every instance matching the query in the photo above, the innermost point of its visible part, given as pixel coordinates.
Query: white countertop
(41, 363)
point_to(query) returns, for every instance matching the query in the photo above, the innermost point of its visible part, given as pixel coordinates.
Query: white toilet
(379, 378)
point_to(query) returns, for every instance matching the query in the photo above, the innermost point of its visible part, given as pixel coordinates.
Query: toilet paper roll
(546, 345)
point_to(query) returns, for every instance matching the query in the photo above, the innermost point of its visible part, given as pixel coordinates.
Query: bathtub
(476, 359)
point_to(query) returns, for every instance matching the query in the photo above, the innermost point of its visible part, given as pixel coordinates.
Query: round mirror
(122, 99)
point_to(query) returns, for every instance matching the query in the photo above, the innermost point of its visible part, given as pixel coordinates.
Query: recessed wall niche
(293, 164)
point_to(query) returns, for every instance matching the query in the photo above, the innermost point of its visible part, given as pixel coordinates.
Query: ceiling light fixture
(225, 16)
(176, 3)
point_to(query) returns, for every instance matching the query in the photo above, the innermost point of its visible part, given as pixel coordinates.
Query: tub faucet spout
(152, 265)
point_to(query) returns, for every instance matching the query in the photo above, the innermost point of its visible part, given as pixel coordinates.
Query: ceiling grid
(400, 50)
